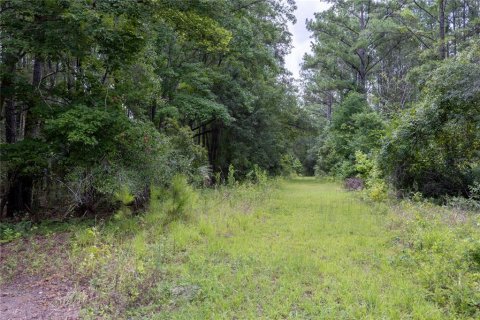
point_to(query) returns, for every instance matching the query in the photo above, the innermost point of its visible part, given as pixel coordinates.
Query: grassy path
(305, 249)
(312, 252)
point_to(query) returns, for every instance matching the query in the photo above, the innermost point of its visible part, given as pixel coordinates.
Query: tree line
(100, 97)
(393, 91)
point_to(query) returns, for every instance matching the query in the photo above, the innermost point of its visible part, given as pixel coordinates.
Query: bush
(367, 168)
(377, 190)
(445, 247)
(433, 148)
(89, 156)
(470, 203)
(8, 233)
(363, 165)
(290, 165)
(182, 199)
(353, 184)
(354, 127)
(257, 175)
(231, 175)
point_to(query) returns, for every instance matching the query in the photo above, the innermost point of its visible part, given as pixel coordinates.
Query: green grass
(310, 251)
(301, 248)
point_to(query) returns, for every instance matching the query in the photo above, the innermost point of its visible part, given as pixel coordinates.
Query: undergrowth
(440, 246)
(300, 248)
(130, 260)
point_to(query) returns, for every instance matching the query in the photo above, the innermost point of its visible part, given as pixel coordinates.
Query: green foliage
(442, 247)
(206, 32)
(363, 165)
(105, 153)
(86, 134)
(102, 96)
(290, 165)
(182, 156)
(27, 157)
(257, 175)
(474, 191)
(124, 196)
(434, 146)
(182, 199)
(470, 203)
(231, 176)
(419, 74)
(367, 169)
(200, 109)
(8, 233)
(354, 128)
(86, 237)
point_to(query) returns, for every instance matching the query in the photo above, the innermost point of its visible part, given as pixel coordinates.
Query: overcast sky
(301, 36)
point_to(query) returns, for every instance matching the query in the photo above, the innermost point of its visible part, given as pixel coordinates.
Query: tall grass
(298, 248)
(133, 261)
(440, 246)
(303, 249)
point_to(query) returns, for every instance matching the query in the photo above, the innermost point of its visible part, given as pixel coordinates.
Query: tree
(435, 147)
(386, 51)
(99, 95)
(354, 127)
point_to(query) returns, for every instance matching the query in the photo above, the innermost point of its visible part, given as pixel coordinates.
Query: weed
(124, 196)
(231, 175)
(445, 251)
(9, 234)
(295, 248)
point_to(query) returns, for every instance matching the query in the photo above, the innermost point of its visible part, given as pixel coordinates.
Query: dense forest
(394, 90)
(159, 160)
(104, 96)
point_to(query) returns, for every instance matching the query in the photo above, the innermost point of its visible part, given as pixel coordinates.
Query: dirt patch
(37, 279)
(33, 298)
(35, 255)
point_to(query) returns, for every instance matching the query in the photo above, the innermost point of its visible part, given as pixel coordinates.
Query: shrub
(462, 203)
(290, 165)
(257, 175)
(433, 148)
(363, 165)
(377, 190)
(367, 169)
(124, 196)
(8, 234)
(182, 199)
(231, 175)
(445, 246)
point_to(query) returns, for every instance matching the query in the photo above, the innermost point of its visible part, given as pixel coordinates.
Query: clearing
(313, 250)
(305, 249)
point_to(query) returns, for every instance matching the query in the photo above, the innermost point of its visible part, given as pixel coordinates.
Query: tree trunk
(454, 17)
(464, 18)
(362, 54)
(33, 125)
(10, 121)
(9, 111)
(441, 24)
(32, 128)
(17, 126)
(153, 111)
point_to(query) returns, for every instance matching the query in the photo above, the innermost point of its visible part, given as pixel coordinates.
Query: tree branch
(425, 10)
